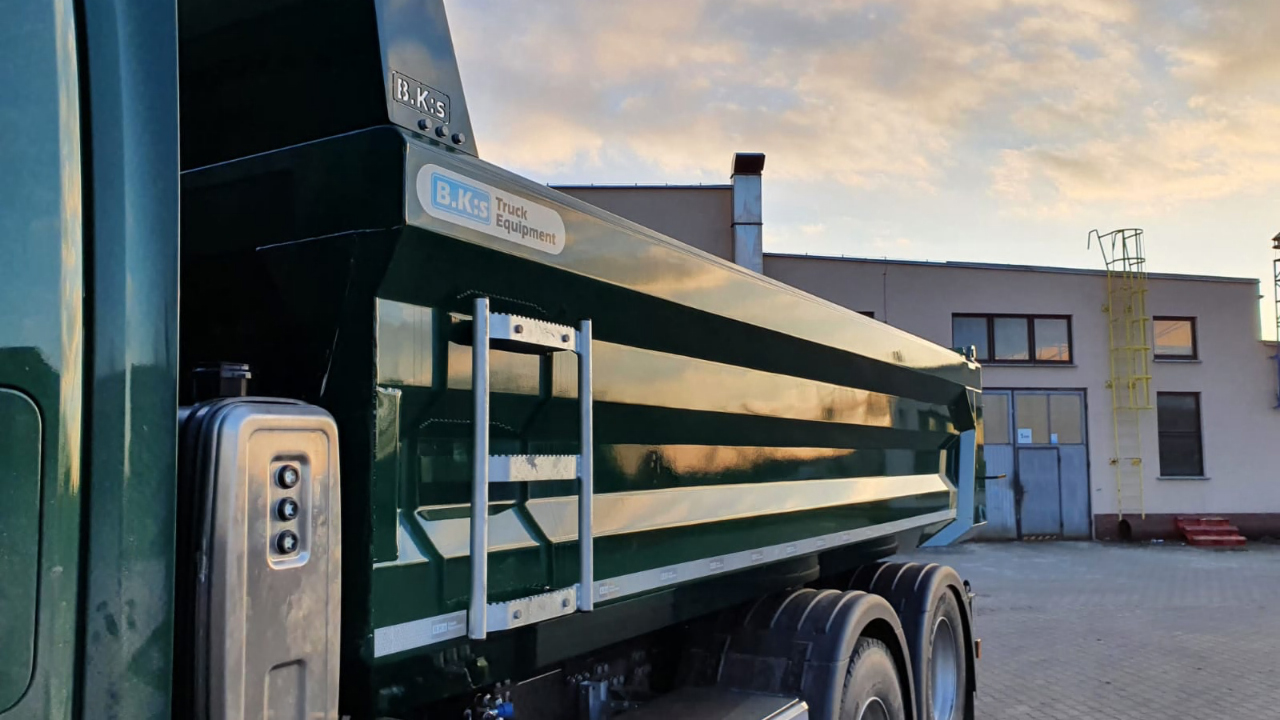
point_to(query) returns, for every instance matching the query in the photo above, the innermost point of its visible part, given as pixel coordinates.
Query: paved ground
(1084, 630)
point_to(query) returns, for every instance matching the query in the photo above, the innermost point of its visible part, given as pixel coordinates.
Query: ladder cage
(1129, 354)
(1275, 270)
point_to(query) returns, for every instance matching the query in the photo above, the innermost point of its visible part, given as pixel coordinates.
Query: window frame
(1031, 338)
(1198, 434)
(1195, 339)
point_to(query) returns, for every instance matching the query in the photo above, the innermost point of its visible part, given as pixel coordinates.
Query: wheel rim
(944, 670)
(874, 710)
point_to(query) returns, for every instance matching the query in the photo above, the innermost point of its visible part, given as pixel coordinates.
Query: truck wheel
(843, 653)
(945, 680)
(872, 690)
(935, 632)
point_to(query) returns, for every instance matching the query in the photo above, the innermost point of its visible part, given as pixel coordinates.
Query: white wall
(1237, 381)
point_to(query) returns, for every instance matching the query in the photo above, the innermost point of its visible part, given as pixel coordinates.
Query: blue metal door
(997, 441)
(1041, 494)
(1052, 464)
(1073, 477)
(1002, 509)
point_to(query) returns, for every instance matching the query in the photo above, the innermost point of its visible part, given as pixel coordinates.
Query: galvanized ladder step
(521, 334)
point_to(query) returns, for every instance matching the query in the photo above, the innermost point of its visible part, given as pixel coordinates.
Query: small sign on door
(1024, 436)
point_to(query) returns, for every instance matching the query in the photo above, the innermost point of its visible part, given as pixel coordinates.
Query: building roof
(1008, 267)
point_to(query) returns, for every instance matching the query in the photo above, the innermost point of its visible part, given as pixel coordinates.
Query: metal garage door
(1037, 439)
(997, 451)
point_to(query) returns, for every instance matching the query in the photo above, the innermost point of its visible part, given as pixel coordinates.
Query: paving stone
(1090, 630)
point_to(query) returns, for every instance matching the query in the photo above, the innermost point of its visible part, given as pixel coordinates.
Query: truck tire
(872, 689)
(944, 685)
(937, 632)
(843, 653)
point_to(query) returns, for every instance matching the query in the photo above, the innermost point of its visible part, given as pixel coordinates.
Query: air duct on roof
(748, 238)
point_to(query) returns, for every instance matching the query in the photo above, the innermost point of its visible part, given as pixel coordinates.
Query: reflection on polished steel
(528, 331)
(480, 470)
(635, 376)
(532, 468)
(449, 534)
(645, 510)
(711, 703)
(586, 477)
(528, 610)
(257, 611)
(642, 511)
(427, 631)
(604, 251)
(716, 460)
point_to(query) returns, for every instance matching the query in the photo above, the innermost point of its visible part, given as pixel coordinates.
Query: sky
(975, 130)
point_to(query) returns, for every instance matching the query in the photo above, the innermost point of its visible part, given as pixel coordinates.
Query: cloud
(1201, 126)
(1216, 151)
(1047, 106)
(1221, 46)
(898, 243)
(866, 94)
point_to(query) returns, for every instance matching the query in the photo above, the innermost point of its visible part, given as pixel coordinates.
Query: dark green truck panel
(88, 357)
(20, 446)
(131, 374)
(41, 350)
(732, 412)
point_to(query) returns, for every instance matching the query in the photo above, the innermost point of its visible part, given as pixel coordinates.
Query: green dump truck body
(733, 414)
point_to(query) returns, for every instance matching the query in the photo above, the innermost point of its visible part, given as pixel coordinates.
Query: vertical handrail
(586, 473)
(477, 622)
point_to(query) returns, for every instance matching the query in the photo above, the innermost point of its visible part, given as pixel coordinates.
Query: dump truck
(309, 412)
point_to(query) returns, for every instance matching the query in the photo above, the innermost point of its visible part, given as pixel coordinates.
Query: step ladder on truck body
(520, 334)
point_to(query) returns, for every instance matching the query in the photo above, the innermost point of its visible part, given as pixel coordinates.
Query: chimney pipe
(748, 238)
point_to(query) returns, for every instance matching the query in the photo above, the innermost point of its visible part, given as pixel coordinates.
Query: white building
(1042, 336)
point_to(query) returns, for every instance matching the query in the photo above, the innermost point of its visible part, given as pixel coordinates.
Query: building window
(1181, 446)
(971, 332)
(1015, 339)
(1175, 338)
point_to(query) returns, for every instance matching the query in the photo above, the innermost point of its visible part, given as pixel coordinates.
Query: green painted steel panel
(131, 133)
(41, 321)
(20, 449)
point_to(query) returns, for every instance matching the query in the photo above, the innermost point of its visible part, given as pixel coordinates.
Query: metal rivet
(564, 338)
(424, 125)
(564, 603)
(287, 509)
(519, 329)
(442, 131)
(459, 138)
(516, 615)
(287, 542)
(288, 476)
